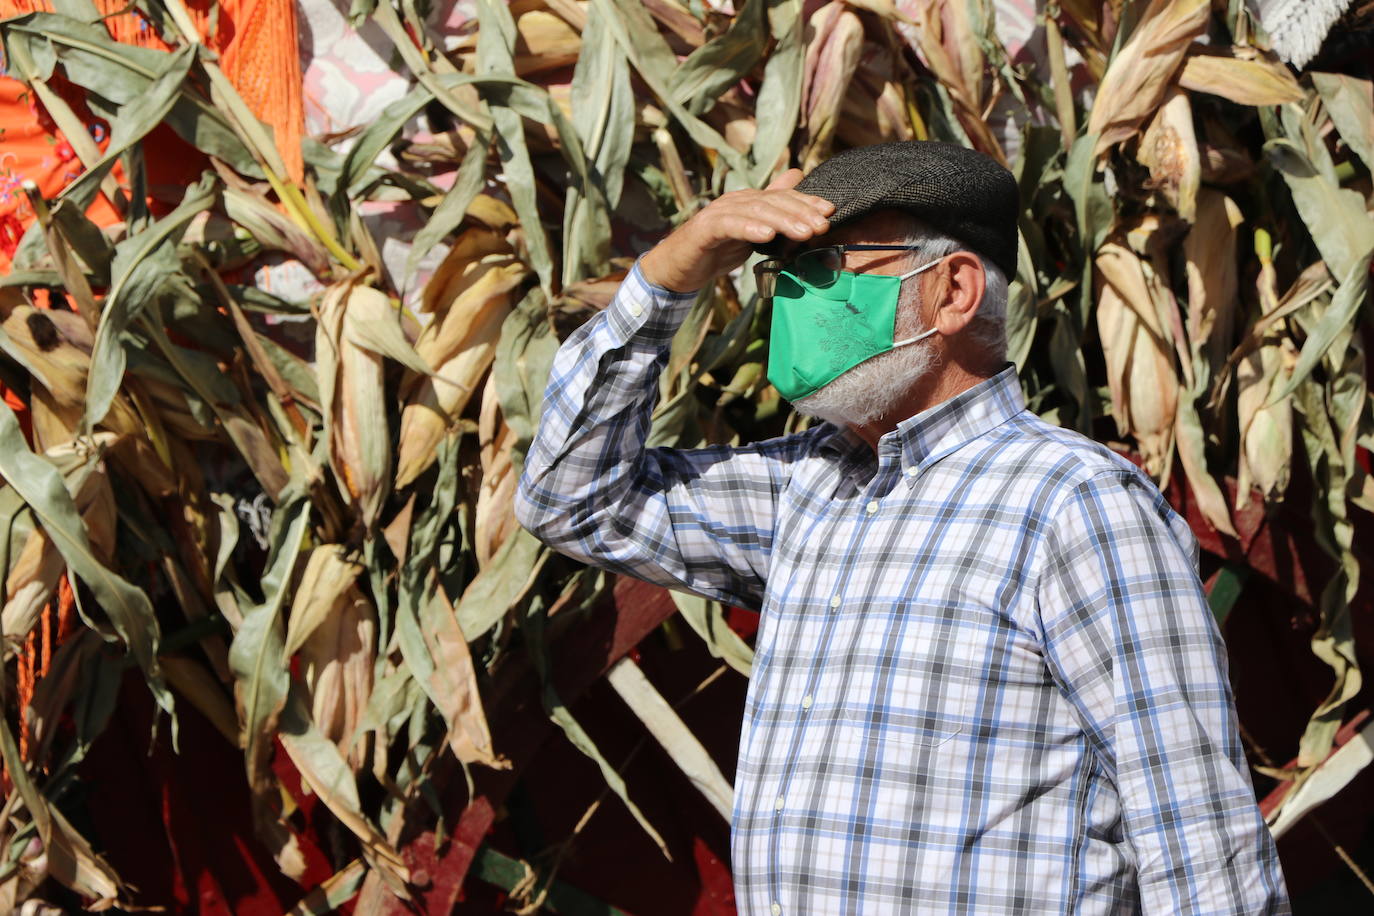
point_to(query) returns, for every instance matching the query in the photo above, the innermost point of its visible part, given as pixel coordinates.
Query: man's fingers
(787, 180)
(801, 209)
(767, 219)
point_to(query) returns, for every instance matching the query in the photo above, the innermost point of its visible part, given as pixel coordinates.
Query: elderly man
(986, 679)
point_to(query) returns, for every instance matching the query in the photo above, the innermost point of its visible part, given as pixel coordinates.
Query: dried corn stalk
(301, 485)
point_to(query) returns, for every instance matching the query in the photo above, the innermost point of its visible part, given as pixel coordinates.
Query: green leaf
(723, 61)
(535, 622)
(1350, 102)
(603, 106)
(1226, 589)
(512, 875)
(1340, 317)
(707, 618)
(69, 858)
(142, 264)
(1022, 293)
(1092, 206)
(633, 28)
(604, 120)
(146, 111)
(129, 610)
(524, 357)
(1336, 216)
(780, 94)
(454, 206)
(1333, 642)
(377, 136)
(495, 50)
(500, 585)
(385, 338)
(255, 658)
(324, 770)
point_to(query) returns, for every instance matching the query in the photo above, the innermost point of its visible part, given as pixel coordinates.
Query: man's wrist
(663, 277)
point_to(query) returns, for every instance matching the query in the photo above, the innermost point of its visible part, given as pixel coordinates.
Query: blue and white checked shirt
(987, 679)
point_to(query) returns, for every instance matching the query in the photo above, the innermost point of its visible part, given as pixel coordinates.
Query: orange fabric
(257, 44)
(32, 148)
(263, 62)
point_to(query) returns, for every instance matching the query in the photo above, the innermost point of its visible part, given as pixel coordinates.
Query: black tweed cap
(954, 190)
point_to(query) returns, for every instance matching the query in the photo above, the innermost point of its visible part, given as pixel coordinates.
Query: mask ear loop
(924, 334)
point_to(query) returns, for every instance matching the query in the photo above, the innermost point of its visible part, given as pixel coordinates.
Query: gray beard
(871, 390)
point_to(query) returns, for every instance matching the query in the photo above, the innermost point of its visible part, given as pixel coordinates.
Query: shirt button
(777, 805)
(776, 909)
(636, 310)
(872, 506)
(911, 471)
(834, 601)
(806, 701)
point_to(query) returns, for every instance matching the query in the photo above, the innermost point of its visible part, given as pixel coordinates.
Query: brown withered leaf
(877, 108)
(336, 665)
(1139, 76)
(495, 513)
(580, 301)
(455, 679)
(1244, 75)
(1266, 430)
(944, 38)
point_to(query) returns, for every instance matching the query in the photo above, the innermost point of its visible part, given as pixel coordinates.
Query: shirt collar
(939, 430)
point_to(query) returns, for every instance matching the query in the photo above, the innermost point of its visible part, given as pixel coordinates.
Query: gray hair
(989, 327)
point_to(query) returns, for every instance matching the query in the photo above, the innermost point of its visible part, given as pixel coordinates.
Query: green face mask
(819, 333)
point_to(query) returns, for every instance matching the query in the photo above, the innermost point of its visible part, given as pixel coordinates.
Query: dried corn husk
(1169, 148)
(495, 515)
(1266, 430)
(1209, 255)
(474, 292)
(1138, 77)
(1140, 363)
(353, 398)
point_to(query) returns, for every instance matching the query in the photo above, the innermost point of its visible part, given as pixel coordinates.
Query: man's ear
(955, 291)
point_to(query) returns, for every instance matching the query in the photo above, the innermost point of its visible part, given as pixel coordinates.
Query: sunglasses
(820, 267)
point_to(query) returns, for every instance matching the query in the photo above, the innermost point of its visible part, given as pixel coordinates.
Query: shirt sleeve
(699, 519)
(1130, 639)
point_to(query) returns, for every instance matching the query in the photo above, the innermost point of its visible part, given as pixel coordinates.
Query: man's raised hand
(721, 236)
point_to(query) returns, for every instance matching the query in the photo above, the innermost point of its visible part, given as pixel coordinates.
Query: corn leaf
(1350, 102)
(262, 679)
(143, 263)
(42, 488)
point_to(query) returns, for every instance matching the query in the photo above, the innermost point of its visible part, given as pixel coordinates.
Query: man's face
(873, 389)
(881, 227)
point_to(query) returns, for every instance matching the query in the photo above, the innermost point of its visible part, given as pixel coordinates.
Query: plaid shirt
(986, 678)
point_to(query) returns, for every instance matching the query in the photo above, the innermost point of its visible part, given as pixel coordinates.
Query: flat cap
(952, 189)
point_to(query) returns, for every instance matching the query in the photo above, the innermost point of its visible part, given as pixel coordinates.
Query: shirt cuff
(645, 311)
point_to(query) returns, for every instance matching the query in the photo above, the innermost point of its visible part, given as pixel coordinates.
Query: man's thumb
(788, 179)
